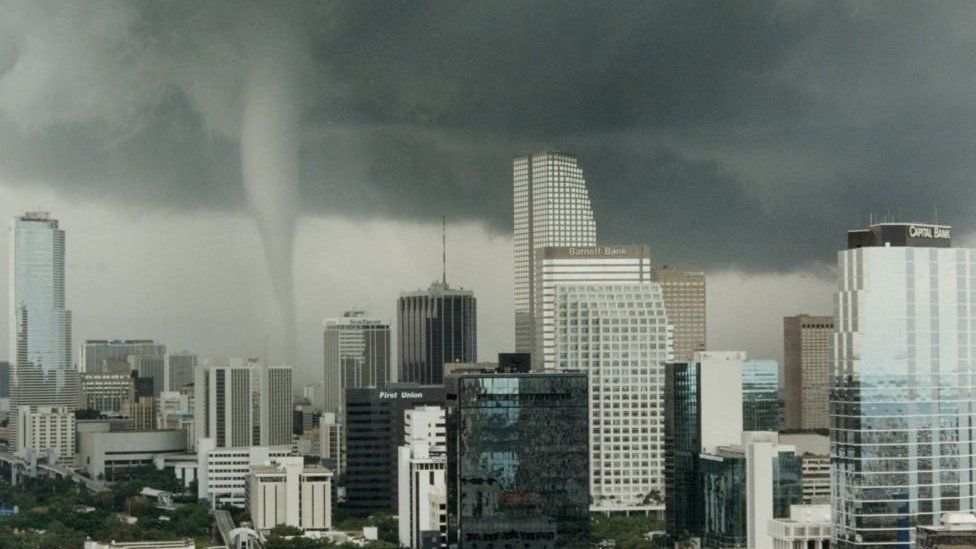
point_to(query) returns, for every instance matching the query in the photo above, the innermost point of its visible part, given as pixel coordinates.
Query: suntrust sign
(928, 231)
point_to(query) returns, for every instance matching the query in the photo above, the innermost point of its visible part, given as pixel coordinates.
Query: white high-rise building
(222, 472)
(242, 402)
(551, 208)
(422, 486)
(599, 313)
(39, 323)
(291, 493)
(561, 266)
(49, 431)
(357, 354)
(903, 395)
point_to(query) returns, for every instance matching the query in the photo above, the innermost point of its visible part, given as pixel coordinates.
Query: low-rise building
(222, 472)
(48, 431)
(807, 527)
(109, 453)
(183, 466)
(291, 493)
(957, 531)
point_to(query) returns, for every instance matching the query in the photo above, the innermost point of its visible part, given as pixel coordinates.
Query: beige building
(684, 301)
(806, 370)
(289, 492)
(48, 429)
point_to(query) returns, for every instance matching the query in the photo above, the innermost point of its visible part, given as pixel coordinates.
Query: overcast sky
(740, 138)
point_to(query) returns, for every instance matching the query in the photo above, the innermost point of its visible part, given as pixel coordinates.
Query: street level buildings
(684, 299)
(40, 326)
(518, 460)
(357, 354)
(807, 356)
(436, 326)
(551, 208)
(903, 400)
(290, 493)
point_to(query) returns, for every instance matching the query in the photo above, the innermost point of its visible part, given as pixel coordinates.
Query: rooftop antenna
(444, 250)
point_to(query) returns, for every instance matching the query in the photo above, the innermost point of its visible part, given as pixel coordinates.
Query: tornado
(269, 164)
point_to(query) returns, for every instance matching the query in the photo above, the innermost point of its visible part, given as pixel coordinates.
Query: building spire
(444, 250)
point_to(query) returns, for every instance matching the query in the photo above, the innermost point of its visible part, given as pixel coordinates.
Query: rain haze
(229, 174)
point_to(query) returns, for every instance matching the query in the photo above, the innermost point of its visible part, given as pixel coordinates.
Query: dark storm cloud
(749, 135)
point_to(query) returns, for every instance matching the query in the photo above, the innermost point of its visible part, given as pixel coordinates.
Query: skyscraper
(903, 402)
(517, 460)
(618, 333)
(96, 352)
(40, 325)
(435, 326)
(561, 266)
(357, 354)
(242, 402)
(178, 369)
(684, 299)
(551, 208)
(807, 354)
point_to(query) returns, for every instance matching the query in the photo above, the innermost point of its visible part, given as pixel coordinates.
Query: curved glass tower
(903, 404)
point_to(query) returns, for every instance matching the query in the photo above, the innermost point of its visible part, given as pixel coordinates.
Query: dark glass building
(760, 395)
(4, 379)
(435, 326)
(682, 444)
(518, 460)
(373, 431)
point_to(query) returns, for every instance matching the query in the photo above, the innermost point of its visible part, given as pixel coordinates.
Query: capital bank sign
(928, 231)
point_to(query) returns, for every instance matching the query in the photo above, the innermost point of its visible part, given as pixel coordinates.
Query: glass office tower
(903, 405)
(40, 325)
(760, 395)
(518, 467)
(551, 208)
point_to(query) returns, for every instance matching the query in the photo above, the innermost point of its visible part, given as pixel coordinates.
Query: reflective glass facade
(518, 468)
(682, 444)
(40, 325)
(551, 208)
(903, 405)
(760, 395)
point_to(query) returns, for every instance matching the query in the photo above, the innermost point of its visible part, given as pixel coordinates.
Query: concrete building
(291, 493)
(618, 333)
(551, 208)
(108, 453)
(150, 367)
(222, 472)
(107, 392)
(242, 402)
(40, 326)
(956, 531)
(703, 411)
(174, 411)
(562, 266)
(314, 393)
(142, 412)
(684, 300)
(48, 431)
(905, 312)
(96, 353)
(422, 492)
(807, 355)
(815, 449)
(374, 430)
(807, 527)
(436, 326)
(357, 354)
